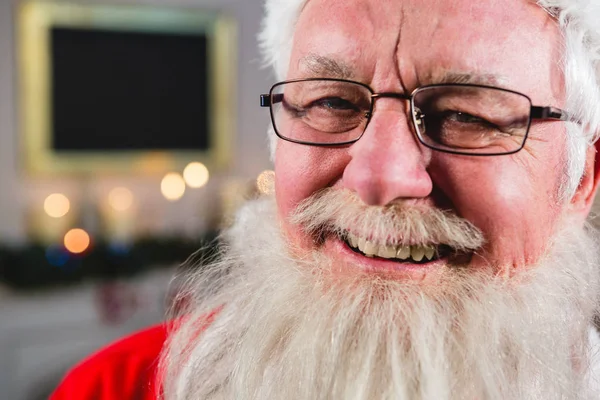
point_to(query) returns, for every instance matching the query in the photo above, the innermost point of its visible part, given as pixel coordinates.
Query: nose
(388, 162)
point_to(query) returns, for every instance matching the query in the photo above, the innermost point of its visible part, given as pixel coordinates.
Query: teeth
(353, 240)
(361, 244)
(429, 252)
(403, 252)
(370, 249)
(387, 252)
(416, 252)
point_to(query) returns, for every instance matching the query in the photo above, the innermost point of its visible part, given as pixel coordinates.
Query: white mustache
(340, 211)
(287, 329)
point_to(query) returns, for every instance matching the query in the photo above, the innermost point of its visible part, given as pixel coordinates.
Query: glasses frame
(535, 112)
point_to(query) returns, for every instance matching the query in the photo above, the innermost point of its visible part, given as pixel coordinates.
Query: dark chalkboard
(122, 90)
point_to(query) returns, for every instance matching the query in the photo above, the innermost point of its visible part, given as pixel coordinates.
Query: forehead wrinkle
(397, 47)
(325, 67)
(445, 71)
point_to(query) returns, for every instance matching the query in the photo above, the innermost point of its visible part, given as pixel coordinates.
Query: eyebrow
(466, 78)
(326, 67)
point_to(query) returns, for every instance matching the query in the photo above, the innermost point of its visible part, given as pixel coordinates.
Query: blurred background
(130, 131)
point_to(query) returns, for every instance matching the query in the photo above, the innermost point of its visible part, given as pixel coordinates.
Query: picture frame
(35, 90)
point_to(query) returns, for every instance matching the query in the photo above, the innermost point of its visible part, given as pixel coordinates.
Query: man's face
(398, 46)
(405, 329)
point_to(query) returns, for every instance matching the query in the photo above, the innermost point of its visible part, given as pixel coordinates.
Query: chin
(289, 328)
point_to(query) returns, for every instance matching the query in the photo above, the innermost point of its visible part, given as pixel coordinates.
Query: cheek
(302, 170)
(516, 210)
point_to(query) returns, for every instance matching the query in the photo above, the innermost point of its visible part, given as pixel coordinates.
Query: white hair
(262, 324)
(579, 22)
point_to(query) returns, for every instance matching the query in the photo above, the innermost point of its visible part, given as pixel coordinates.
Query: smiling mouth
(415, 254)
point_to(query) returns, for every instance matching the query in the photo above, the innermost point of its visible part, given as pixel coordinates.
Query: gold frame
(34, 20)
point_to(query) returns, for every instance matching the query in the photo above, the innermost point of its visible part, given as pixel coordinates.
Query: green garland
(35, 266)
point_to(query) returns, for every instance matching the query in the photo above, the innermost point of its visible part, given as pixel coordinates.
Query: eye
(335, 103)
(465, 118)
(291, 109)
(459, 120)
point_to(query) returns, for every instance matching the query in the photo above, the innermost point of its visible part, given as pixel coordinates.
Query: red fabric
(125, 370)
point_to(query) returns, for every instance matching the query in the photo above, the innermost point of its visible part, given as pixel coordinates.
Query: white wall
(19, 193)
(11, 226)
(43, 335)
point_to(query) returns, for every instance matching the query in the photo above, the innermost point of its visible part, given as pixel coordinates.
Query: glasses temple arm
(266, 100)
(552, 113)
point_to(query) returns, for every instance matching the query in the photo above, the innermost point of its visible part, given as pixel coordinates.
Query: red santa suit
(125, 370)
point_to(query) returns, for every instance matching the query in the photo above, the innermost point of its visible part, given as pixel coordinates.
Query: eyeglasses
(454, 118)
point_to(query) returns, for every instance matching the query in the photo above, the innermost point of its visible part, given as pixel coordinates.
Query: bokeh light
(172, 186)
(77, 241)
(57, 205)
(266, 182)
(57, 256)
(196, 175)
(120, 199)
(119, 248)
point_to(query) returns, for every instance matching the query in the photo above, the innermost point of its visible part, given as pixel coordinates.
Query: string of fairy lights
(101, 235)
(172, 186)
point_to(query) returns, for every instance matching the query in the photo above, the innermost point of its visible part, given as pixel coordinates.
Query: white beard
(287, 329)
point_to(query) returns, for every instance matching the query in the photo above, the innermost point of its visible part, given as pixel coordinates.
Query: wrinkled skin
(397, 46)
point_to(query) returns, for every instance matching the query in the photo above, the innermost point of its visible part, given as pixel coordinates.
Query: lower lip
(377, 264)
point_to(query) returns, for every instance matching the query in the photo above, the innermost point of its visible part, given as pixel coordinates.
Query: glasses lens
(320, 111)
(471, 119)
